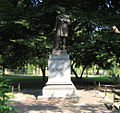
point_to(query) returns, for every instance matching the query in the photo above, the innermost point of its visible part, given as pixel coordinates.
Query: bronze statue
(61, 29)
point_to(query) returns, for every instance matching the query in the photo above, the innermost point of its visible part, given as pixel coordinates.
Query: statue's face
(62, 9)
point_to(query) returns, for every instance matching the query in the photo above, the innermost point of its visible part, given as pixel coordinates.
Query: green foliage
(25, 81)
(86, 49)
(37, 81)
(97, 79)
(109, 107)
(4, 98)
(115, 78)
(13, 35)
(25, 32)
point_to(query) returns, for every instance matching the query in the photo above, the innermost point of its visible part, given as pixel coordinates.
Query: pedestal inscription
(59, 76)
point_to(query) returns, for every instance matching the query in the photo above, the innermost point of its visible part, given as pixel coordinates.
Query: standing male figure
(61, 29)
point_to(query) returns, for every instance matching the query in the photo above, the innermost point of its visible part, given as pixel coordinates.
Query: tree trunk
(86, 72)
(36, 70)
(3, 70)
(72, 69)
(83, 71)
(43, 72)
(97, 73)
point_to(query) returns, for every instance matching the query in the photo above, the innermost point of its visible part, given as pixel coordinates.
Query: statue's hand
(62, 20)
(115, 29)
(65, 20)
(53, 30)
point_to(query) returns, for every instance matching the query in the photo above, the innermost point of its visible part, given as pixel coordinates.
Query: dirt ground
(88, 102)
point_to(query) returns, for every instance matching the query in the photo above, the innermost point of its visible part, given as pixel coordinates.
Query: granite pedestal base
(59, 76)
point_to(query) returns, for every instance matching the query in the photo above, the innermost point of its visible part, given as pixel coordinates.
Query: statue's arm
(66, 20)
(55, 25)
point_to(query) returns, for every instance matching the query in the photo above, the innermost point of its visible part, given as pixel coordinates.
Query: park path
(88, 102)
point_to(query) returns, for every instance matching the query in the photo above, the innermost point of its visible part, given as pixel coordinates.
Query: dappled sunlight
(62, 106)
(59, 67)
(23, 108)
(88, 102)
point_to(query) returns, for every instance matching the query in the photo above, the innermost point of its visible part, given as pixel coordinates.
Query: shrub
(4, 98)
(115, 78)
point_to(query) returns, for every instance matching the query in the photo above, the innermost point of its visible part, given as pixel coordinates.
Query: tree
(13, 35)
(31, 23)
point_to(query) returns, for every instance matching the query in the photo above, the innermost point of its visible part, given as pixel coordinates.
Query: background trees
(25, 32)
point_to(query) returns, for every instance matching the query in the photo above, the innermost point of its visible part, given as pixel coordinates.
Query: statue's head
(62, 9)
(114, 27)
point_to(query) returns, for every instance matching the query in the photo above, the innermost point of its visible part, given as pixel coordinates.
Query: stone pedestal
(59, 76)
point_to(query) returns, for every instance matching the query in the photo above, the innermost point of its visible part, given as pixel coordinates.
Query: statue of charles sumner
(61, 29)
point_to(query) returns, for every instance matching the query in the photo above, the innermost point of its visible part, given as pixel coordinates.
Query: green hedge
(37, 81)
(25, 81)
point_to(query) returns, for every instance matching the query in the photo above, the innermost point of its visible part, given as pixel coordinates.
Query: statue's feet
(63, 47)
(57, 48)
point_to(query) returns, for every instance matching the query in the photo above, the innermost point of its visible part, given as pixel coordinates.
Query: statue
(59, 71)
(61, 29)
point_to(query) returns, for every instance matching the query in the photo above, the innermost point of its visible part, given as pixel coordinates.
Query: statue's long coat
(60, 26)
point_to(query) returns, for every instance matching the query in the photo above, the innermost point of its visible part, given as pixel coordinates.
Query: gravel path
(88, 102)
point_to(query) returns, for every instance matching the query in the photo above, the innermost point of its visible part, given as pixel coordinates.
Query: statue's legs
(63, 42)
(57, 42)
